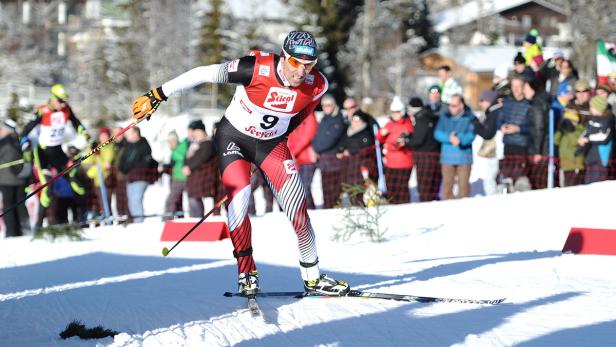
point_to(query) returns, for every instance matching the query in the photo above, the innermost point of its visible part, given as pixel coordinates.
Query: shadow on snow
(139, 305)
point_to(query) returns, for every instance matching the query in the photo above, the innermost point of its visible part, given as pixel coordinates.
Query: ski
(253, 306)
(372, 295)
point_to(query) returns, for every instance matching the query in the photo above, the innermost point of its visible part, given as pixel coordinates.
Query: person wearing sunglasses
(455, 131)
(274, 94)
(581, 103)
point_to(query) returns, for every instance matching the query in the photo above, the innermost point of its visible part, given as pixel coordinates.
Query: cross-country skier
(53, 118)
(274, 94)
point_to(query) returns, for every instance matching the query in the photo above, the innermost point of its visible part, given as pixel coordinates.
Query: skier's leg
(236, 180)
(283, 178)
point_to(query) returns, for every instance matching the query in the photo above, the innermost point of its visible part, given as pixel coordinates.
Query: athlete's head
(299, 53)
(58, 96)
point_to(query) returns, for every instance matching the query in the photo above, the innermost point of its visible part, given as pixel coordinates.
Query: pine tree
(421, 24)
(362, 210)
(330, 21)
(214, 33)
(90, 82)
(129, 58)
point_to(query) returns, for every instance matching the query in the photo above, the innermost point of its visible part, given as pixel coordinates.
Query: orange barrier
(591, 241)
(207, 231)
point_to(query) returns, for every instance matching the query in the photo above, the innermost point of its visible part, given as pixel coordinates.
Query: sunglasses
(350, 107)
(297, 63)
(583, 91)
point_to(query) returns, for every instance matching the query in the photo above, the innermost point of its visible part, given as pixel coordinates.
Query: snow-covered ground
(485, 247)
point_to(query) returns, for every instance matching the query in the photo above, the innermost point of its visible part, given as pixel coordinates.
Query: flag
(606, 61)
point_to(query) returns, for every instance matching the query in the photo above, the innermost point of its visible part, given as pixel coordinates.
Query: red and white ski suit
(254, 129)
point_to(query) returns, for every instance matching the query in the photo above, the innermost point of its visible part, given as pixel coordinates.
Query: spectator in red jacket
(397, 158)
(300, 145)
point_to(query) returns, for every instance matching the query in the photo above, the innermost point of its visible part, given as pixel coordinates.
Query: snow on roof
(484, 58)
(473, 10)
(479, 58)
(265, 9)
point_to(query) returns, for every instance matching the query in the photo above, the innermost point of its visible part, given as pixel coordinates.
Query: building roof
(473, 10)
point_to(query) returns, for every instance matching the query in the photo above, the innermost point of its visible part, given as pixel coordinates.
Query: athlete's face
(295, 71)
(56, 103)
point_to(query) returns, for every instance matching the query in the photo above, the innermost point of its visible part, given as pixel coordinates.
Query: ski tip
(228, 294)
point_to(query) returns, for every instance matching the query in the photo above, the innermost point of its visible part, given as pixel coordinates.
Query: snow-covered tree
(590, 21)
(28, 50)
(382, 50)
(90, 81)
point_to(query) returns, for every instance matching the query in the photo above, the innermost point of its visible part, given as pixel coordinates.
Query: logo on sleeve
(280, 99)
(233, 149)
(264, 70)
(232, 67)
(310, 79)
(289, 166)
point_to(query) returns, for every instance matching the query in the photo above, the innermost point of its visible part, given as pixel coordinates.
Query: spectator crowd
(537, 106)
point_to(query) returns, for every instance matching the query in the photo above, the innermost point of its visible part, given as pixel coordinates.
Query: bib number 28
(269, 121)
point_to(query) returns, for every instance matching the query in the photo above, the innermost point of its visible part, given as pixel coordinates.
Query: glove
(27, 155)
(406, 139)
(93, 144)
(25, 144)
(81, 130)
(45, 199)
(147, 104)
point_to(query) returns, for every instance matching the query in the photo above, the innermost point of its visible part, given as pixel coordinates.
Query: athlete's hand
(25, 144)
(27, 155)
(147, 104)
(88, 138)
(44, 198)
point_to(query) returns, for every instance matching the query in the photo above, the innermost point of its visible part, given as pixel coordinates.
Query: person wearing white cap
(550, 70)
(501, 85)
(397, 158)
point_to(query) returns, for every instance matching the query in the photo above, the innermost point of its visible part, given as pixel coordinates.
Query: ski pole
(69, 168)
(218, 204)
(11, 163)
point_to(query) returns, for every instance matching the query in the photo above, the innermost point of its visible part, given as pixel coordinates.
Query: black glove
(405, 139)
(582, 150)
(566, 126)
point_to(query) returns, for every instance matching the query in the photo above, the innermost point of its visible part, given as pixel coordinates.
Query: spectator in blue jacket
(513, 121)
(455, 131)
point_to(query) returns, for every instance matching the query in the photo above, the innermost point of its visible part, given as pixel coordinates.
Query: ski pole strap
(245, 253)
(307, 265)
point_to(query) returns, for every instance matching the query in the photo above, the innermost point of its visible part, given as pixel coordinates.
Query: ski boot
(248, 283)
(327, 286)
